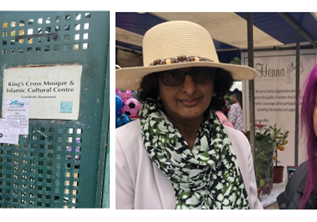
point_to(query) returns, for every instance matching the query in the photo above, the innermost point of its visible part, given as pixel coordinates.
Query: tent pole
(251, 83)
(297, 94)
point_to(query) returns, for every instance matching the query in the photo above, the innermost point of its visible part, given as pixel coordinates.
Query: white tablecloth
(267, 200)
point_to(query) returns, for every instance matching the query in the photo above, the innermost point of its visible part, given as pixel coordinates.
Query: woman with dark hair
(149, 87)
(178, 155)
(235, 115)
(301, 190)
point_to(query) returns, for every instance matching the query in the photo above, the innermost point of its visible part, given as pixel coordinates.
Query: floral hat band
(179, 59)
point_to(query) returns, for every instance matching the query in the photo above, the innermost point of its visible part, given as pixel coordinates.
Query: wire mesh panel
(60, 163)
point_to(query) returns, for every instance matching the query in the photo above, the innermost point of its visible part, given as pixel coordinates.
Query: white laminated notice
(9, 131)
(18, 109)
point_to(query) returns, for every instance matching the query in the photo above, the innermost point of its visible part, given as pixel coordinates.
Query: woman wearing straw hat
(178, 155)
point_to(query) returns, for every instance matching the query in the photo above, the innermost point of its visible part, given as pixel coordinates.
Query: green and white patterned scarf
(204, 177)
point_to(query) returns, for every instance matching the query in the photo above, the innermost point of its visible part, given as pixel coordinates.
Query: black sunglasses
(176, 77)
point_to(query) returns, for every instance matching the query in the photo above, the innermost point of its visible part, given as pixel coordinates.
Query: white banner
(53, 91)
(274, 89)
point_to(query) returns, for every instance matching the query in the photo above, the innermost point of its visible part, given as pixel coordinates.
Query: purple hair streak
(307, 126)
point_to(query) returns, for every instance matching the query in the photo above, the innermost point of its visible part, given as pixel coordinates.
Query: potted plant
(267, 144)
(279, 140)
(264, 152)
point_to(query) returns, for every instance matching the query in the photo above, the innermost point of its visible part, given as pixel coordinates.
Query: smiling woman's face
(187, 101)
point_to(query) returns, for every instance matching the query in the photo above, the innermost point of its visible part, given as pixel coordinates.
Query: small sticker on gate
(66, 107)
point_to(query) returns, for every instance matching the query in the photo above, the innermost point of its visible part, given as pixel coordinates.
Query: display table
(267, 200)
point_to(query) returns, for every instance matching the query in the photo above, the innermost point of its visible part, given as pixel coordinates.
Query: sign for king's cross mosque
(53, 91)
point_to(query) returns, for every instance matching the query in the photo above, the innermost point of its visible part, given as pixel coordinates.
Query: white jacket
(141, 185)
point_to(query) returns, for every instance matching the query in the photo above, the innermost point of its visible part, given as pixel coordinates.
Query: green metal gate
(60, 163)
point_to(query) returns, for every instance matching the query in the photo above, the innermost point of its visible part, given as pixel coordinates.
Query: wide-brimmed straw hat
(176, 45)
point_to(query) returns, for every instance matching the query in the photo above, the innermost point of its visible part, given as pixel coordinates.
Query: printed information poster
(9, 131)
(53, 91)
(275, 99)
(18, 109)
